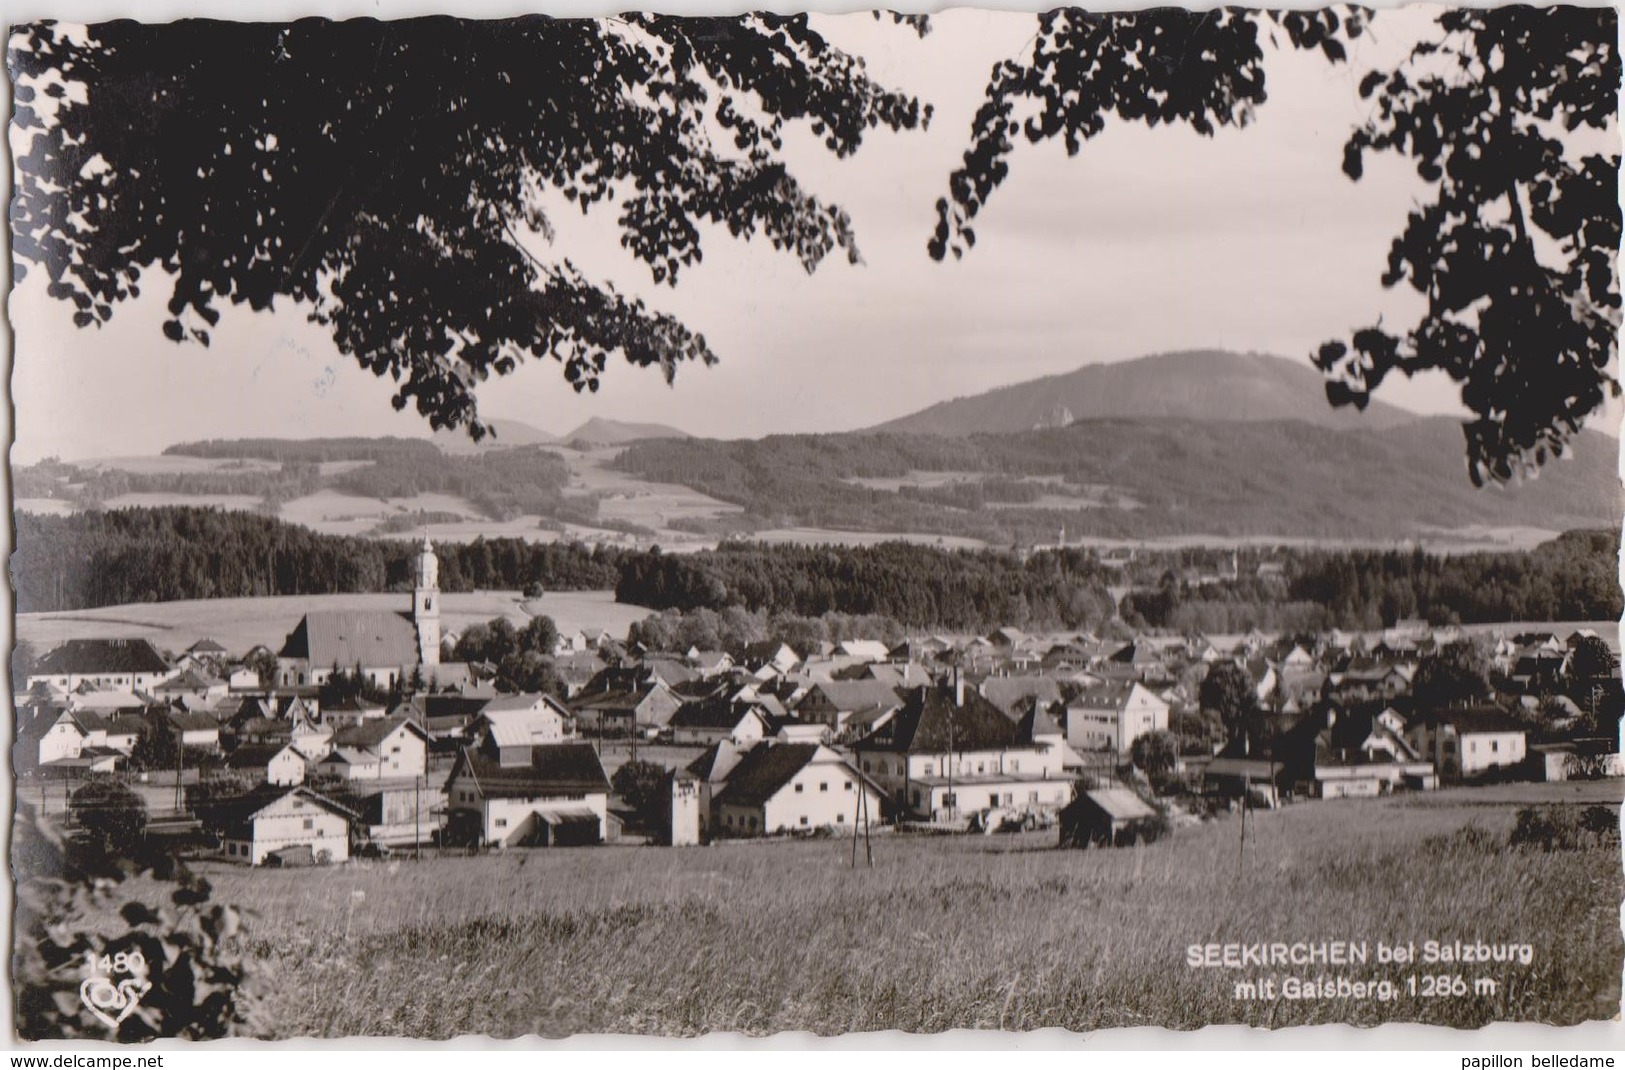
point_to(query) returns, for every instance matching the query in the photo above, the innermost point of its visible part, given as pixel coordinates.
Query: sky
(1148, 241)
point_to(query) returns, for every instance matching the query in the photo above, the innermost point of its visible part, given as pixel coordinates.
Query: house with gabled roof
(715, 719)
(191, 682)
(285, 822)
(270, 763)
(553, 794)
(526, 719)
(194, 729)
(949, 752)
(863, 649)
(644, 707)
(1467, 741)
(778, 788)
(833, 702)
(382, 749)
(1110, 717)
(130, 664)
(48, 739)
(711, 769)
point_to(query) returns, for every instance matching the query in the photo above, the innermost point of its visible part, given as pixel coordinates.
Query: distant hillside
(1139, 478)
(1197, 385)
(507, 435)
(601, 432)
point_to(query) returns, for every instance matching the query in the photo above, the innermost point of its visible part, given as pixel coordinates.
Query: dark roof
(555, 768)
(80, 657)
(187, 721)
(263, 726)
(856, 694)
(1478, 719)
(702, 766)
(712, 713)
(206, 646)
(763, 770)
(929, 719)
(1008, 692)
(254, 755)
(233, 815)
(1038, 721)
(372, 732)
(190, 680)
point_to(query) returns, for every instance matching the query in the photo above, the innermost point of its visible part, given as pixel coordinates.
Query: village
(290, 757)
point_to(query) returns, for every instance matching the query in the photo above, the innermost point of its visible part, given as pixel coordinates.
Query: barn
(1106, 817)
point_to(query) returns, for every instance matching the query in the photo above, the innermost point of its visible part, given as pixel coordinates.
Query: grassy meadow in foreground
(1002, 932)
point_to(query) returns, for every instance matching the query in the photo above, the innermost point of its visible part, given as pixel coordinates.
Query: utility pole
(180, 752)
(417, 823)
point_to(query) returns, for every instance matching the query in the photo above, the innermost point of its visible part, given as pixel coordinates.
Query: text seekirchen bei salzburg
(1240, 956)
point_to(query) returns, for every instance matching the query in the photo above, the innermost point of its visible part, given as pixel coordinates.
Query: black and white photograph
(661, 526)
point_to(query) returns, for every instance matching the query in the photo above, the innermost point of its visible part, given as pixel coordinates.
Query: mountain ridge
(1209, 384)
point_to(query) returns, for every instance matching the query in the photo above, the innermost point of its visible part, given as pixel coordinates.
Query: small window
(1495, 745)
(840, 819)
(753, 822)
(930, 769)
(823, 786)
(803, 819)
(847, 785)
(798, 789)
(501, 822)
(310, 822)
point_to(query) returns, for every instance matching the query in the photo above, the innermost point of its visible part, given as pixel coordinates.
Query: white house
(536, 717)
(792, 787)
(133, 664)
(949, 752)
(276, 819)
(1112, 717)
(57, 738)
(349, 763)
(552, 794)
(713, 720)
(273, 763)
(383, 748)
(1470, 741)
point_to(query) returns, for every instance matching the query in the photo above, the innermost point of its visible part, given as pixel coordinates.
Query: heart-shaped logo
(103, 997)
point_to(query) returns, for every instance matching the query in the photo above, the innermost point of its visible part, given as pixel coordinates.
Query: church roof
(347, 638)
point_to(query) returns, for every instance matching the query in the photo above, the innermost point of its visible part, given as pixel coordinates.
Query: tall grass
(994, 933)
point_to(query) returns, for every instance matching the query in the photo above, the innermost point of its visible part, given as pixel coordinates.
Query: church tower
(426, 605)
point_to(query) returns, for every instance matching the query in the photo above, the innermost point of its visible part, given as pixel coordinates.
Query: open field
(240, 623)
(976, 932)
(333, 512)
(178, 464)
(829, 536)
(227, 502)
(629, 499)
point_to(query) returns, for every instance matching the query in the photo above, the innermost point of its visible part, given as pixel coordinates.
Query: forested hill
(146, 555)
(121, 556)
(1138, 479)
(1193, 385)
